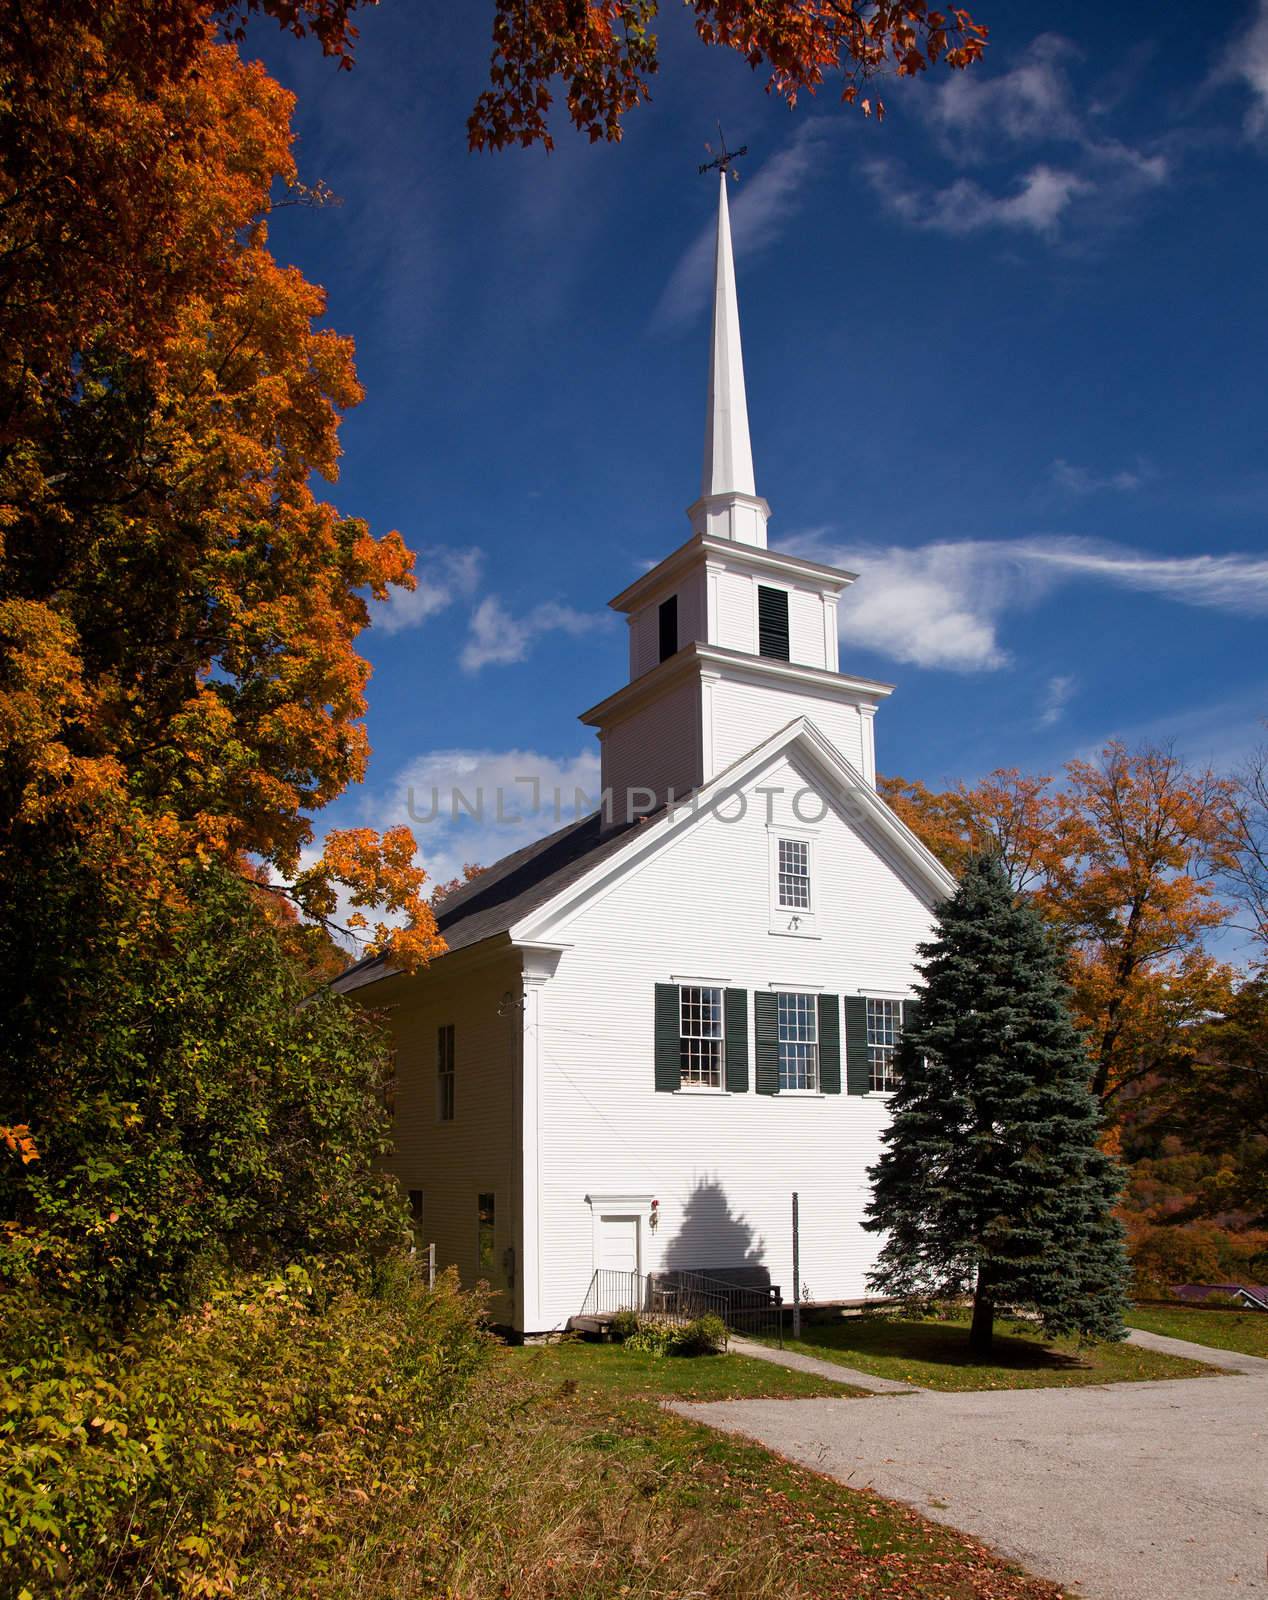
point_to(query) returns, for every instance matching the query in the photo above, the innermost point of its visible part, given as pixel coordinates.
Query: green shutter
(668, 1041)
(829, 1044)
(911, 1015)
(858, 1073)
(736, 1002)
(766, 1027)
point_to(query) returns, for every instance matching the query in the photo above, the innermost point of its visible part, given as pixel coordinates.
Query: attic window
(669, 627)
(794, 874)
(772, 623)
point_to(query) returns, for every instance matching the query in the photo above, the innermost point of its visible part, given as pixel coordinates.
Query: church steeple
(729, 506)
(728, 456)
(729, 641)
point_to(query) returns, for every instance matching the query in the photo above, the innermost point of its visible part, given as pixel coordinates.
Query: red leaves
(605, 53)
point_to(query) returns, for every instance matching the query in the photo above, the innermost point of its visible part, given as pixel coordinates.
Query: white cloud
(1076, 480)
(1056, 698)
(480, 805)
(1246, 61)
(941, 604)
(444, 575)
(1039, 199)
(1034, 101)
(759, 209)
(497, 638)
(981, 120)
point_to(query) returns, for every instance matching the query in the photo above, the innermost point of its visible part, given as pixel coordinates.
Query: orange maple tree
(179, 679)
(1123, 858)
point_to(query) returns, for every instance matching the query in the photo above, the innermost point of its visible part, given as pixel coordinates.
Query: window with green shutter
(667, 1047)
(737, 1041)
(766, 1035)
(873, 1030)
(829, 1044)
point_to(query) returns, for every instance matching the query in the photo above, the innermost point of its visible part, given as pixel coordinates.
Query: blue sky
(1005, 356)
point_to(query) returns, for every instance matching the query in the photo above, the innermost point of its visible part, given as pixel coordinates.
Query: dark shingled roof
(507, 891)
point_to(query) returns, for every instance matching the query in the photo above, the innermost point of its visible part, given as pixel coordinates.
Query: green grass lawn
(668, 1507)
(934, 1354)
(1246, 1331)
(605, 1372)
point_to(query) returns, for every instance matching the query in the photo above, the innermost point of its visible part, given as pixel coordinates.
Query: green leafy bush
(651, 1338)
(706, 1336)
(624, 1325)
(198, 1105)
(256, 1431)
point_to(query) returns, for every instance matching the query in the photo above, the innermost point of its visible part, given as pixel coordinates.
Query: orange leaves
(178, 611)
(18, 1142)
(606, 54)
(1121, 857)
(374, 870)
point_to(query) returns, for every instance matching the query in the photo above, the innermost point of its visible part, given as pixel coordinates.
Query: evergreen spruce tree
(992, 1179)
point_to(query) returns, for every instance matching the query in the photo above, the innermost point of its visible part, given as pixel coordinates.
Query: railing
(681, 1297)
(751, 1309)
(611, 1291)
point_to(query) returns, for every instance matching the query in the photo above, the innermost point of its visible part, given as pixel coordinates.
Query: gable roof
(868, 810)
(505, 893)
(521, 895)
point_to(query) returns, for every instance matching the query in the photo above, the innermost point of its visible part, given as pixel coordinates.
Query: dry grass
(573, 1485)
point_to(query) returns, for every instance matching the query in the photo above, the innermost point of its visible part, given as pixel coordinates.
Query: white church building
(656, 1025)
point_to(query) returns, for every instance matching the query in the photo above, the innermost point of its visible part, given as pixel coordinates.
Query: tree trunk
(982, 1329)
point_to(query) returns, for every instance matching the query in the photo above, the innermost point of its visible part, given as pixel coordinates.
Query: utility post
(796, 1326)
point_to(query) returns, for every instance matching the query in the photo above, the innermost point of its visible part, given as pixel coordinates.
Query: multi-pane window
(884, 1024)
(798, 1041)
(485, 1227)
(700, 1036)
(794, 874)
(444, 1073)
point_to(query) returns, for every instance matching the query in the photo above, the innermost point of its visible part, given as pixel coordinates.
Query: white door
(618, 1244)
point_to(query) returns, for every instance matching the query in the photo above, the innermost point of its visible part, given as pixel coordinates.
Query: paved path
(832, 1370)
(1127, 1491)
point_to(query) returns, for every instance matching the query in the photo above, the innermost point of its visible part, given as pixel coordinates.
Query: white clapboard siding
(656, 747)
(722, 1167)
(743, 714)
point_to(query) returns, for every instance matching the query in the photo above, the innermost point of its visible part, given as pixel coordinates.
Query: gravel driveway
(1129, 1491)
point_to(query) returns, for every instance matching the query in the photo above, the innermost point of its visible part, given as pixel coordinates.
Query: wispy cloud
(1036, 203)
(444, 576)
(942, 604)
(1076, 480)
(1245, 61)
(759, 208)
(478, 805)
(497, 637)
(1056, 698)
(978, 120)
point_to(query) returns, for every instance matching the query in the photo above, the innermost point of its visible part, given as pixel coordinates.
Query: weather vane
(722, 163)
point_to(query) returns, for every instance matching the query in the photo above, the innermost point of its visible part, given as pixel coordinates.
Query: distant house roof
(1254, 1293)
(506, 892)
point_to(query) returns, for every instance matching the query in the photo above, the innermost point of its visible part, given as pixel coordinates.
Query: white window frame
(811, 1086)
(881, 1055)
(716, 1083)
(799, 878)
(794, 922)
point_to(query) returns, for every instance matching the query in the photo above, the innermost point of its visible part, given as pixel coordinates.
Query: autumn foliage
(606, 55)
(178, 609)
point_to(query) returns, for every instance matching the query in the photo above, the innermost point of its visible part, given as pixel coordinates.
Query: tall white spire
(729, 507)
(728, 456)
